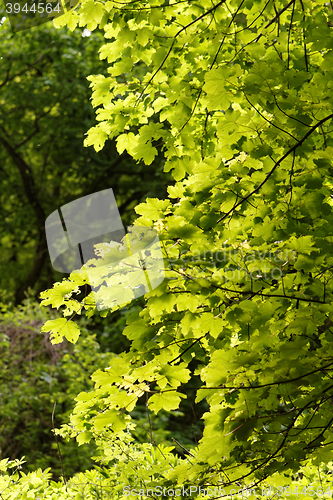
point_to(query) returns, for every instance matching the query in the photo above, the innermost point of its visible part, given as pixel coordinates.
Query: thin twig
(182, 447)
(62, 465)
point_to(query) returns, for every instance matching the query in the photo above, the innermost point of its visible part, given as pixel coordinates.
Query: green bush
(38, 379)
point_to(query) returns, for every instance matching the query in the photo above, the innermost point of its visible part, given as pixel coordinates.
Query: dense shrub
(38, 379)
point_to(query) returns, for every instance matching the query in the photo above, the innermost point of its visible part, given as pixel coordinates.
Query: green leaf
(84, 437)
(96, 137)
(91, 14)
(153, 208)
(59, 294)
(69, 19)
(126, 141)
(166, 400)
(60, 328)
(110, 418)
(145, 152)
(174, 375)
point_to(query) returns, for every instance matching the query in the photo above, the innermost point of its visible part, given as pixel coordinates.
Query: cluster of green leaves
(143, 470)
(100, 483)
(237, 97)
